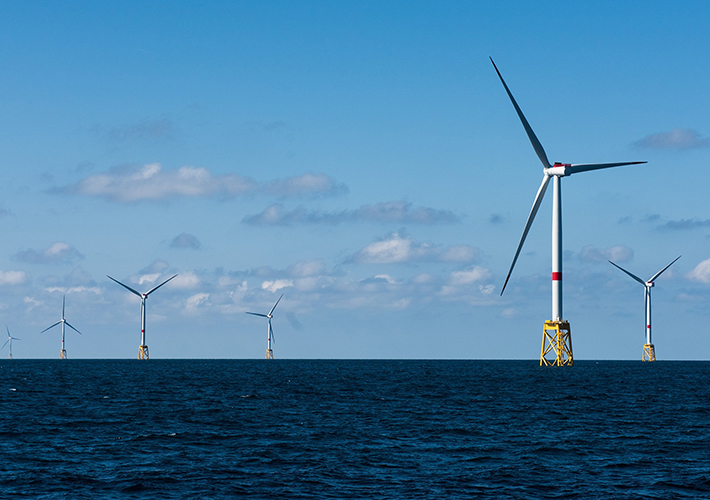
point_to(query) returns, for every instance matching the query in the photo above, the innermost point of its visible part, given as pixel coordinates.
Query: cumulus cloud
(152, 183)
(276, 285)
(185, 240)
(618, 253)
(701, 273)
(678, 138)
(399, 248)
(12, 278)
(185, 280)
(400, 212)
(469, 276)
(195, 301)
(57, 253)
(464, 283)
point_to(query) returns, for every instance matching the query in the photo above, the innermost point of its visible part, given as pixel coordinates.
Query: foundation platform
(649, 353)
(556, 344)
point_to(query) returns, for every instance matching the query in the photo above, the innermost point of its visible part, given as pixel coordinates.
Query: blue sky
(361, 158)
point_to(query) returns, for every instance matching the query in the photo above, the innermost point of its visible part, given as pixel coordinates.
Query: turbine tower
(63, 322)
(269, 330)
(143, 348)
(9, 340)
(556, 337)
(649, 351)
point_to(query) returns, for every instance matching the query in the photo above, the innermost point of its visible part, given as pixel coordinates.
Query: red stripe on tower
(556, 276)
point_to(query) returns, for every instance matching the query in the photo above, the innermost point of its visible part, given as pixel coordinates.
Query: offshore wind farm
(407, 234)
(352, 175)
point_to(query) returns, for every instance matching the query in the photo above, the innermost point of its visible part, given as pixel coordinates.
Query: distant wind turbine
(63, 322)
(557, 337)
(269, 330)
(649, 351)
(143, 348)
(9, 340)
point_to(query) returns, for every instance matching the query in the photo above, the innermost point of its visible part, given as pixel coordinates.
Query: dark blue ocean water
(353, 429)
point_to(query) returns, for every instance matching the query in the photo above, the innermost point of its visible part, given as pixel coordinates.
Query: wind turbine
(556, 332)
(63, 322)
(143, 348)
(9, 340)
(649, 352)
(269, 330)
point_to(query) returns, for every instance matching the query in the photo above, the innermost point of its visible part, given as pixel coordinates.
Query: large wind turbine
(143, 348)
(649, 351)
(269, 330)
(63, 322)
(9, 340)
(556, 332)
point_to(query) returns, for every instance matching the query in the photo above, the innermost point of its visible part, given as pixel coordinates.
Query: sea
(347, 429)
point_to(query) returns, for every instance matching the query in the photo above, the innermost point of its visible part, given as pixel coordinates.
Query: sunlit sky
(361, 158)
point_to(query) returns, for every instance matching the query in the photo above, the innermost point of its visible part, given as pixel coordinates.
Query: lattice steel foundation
(557, 341)
(143, 352)
(649, 353)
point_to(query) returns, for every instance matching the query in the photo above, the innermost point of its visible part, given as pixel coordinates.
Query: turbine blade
(125, 286)
(277, 303)
(77, 331)
(533, 211)
(528, 129)
(585, 167)
(257, 314)
(8, 331)
(632, 275)
(64, 302)
(55, 324)
(271, 330)
(661, 271)
(156, 287)
(3, 346)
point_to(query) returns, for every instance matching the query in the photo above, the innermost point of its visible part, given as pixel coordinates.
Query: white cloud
(470, 276)
(678, 138)
(152, 183)
(12, 278)
(56, 253)
(701, 273)
(398, 212)
(185, 280)
(32, 303)
(276, 285)
(195, 301)
(618, 253)
(148, 278)
(397, 248)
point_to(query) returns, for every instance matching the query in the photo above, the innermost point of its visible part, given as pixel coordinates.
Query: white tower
(269, 330)
(63, 322)
(649, 351)
(556, 337)
(143, 348)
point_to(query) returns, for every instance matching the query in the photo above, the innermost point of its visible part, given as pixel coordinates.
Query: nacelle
(558, 170)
